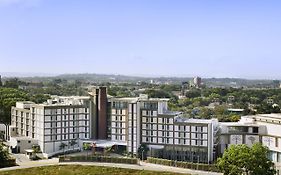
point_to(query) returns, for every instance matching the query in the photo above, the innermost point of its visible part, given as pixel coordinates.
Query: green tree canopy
(4, 154)
(142, 151)
(8, 98)
(241, 159)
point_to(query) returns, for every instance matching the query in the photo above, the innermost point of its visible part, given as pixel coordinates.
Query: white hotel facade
(60, 120)
(167, 134)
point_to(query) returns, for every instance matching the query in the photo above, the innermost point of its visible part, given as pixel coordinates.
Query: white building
(263, 128)
(168, 135)
(2, 132)
(58, 121)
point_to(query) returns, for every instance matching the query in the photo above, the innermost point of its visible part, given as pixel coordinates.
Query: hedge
(8, 163)
(181, 164)
(106, 159)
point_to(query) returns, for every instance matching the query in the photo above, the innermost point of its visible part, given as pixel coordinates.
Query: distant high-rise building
(197, 81)
(184, 86)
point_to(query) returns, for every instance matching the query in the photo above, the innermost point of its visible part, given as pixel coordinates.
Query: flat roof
(192, 120)
(238, 124)
(105, 143)
(235, 110)
(271, 116)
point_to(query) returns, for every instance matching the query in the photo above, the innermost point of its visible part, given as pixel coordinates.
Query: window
(255, 130)
(29, 141)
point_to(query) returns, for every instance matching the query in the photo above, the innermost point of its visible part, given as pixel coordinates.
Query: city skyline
(149, 38)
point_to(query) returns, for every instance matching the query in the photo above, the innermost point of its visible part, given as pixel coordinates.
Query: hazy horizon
(183, 38)
(32, 74)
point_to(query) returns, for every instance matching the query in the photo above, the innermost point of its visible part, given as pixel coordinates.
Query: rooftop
(192, 120)
(271, 116)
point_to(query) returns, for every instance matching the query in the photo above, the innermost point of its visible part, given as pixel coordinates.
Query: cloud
(21, 3)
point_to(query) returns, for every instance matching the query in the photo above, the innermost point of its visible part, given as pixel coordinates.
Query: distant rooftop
(192, 120)
(142, 97)
(272, 116)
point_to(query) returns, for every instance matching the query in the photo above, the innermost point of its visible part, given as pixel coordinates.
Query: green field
(81, 170)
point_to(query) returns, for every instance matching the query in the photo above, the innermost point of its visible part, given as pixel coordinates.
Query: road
(142, 166)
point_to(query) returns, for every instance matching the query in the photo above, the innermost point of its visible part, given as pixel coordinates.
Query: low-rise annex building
(262, 128)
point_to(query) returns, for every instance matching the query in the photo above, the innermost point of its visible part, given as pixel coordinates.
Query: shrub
(181, 164)
(98, 159)
(8, 163)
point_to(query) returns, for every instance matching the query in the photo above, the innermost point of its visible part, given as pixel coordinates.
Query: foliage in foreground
(79, 170)
(5, 159)
(239, 159)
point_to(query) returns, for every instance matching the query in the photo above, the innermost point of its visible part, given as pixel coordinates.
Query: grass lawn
(81, 170)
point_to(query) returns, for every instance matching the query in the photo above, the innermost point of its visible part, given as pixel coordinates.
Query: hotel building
(168, 135)
(60, 120)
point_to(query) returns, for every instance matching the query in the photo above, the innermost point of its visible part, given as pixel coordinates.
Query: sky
(208, 38)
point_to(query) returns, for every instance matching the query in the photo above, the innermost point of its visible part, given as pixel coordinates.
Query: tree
(8, 98)
(142, 151)
(62, 147)
(36, 149)
(4, 154)
(87, 147)
(241, 159)
(107, 150)
(12, 83)
(73, 143)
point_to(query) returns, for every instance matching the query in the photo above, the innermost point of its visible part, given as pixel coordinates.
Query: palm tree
(73, 143)
(36, 149)
(142, 151)
(62, 147)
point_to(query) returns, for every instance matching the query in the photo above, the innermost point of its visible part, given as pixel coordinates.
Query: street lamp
(198, 162)
(142, 154)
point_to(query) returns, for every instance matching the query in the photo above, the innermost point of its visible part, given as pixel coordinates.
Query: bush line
(181, 164)
(106, 159)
